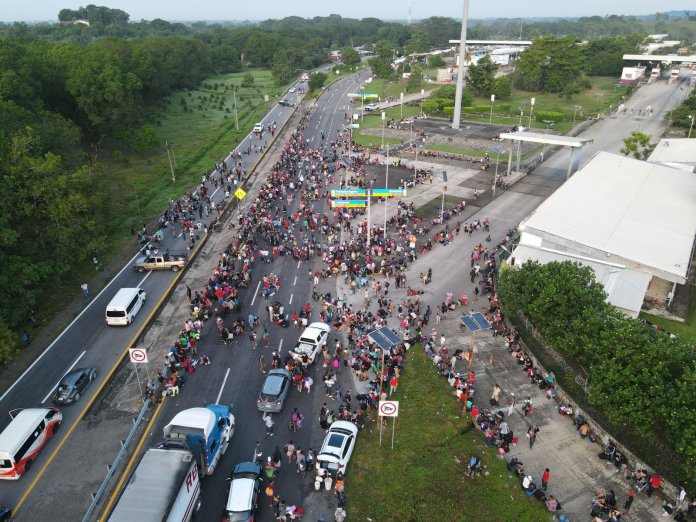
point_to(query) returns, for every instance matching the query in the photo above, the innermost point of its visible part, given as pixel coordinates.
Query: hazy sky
(385, 9)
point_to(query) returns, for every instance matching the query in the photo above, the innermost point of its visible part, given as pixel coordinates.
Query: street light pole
(384, 115)
(460, 73)
(531, 110)
(386, 199)
(421, 102)
(402, 105)
(490, 118)
(362, 103)
(575, 114)
(691, 117)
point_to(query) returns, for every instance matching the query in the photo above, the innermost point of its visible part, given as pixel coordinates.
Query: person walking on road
(268, 420)
(513, 400)
(629, 501)
(262, 363)
(545, 479)
(532, 433)
(495, 396)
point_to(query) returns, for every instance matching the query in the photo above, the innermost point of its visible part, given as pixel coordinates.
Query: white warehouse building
(632, 221)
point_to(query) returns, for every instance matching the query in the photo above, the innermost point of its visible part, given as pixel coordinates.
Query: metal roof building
(634, 222)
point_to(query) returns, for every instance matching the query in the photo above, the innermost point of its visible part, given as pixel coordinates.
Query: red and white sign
(137, 355)
(389, 408)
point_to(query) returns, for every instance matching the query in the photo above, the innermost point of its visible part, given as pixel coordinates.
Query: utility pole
(236, 120)
(169, 155)
(460, 76)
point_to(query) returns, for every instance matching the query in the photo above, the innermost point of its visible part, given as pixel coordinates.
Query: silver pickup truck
(173, 262)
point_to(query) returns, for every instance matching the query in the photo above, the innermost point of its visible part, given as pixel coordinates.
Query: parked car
(258, 128)
(312, 340)
(371, 107)
(338, 446)
(73, 385)
(242, 498)
(275, 390)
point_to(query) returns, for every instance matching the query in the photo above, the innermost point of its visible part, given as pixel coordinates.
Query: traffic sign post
(388, 409)
(139, 356)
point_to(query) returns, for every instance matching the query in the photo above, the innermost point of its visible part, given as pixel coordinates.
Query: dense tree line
(640, 378)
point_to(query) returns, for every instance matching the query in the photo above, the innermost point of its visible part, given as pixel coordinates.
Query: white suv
(311, 342)
(371, 107)
(338, 446)
(258, 127)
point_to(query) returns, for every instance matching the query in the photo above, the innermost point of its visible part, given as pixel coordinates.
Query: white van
(22, 440)
(125, 305)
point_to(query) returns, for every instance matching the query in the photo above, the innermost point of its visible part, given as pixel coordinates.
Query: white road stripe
(280, 345)
(140, 284)
(127, 265)
(224, 381)
(68, 370)
(291, 296)
(256, 293)
(299, 263)
(295, 281)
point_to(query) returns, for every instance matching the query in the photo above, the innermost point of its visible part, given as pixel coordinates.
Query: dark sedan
(73, 385)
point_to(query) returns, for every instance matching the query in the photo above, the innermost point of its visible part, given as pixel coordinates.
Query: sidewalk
(576, 472)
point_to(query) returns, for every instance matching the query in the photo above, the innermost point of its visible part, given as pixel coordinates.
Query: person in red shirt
(654, 483)
(393, 384)
(545, 479)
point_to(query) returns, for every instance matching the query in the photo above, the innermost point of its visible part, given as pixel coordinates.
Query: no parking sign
(137, 355)
(388, 408)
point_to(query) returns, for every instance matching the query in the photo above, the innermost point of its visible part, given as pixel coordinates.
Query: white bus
(23, 439)
(125, 305)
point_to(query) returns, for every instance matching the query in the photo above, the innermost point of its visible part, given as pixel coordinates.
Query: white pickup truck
(312, 340)
(173, 262)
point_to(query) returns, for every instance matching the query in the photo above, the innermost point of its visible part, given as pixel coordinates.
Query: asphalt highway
(89, 342)
(234, 377)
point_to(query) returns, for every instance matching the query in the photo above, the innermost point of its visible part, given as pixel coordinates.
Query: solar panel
(470, 323)
(384, 338)
(390, 335)
(481, 320)
(379, 339)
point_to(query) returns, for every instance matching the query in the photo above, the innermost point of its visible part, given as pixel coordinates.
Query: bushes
(641, 379)
(556, 117)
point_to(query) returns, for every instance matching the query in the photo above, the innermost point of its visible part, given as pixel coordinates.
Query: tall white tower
(410, 5)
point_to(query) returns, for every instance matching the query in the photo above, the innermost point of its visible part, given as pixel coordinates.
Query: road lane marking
(256, 293)
(127, 265)
(144, 278)
(299, 263)
(103, 384)
(67, 371)
(224, 381)
(280, 345)
(108, 377)
(129, 466)
(295, 281)
(291, 296)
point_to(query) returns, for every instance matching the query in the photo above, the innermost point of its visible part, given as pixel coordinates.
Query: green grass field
(141, 182)
(200, 129)
(684, 330)
(604, 93)
(420, 480)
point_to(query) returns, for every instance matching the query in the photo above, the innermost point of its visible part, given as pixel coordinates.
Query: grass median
(420, 479)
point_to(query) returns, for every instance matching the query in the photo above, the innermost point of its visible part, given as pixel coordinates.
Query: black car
(286, 103)
(73, 385)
